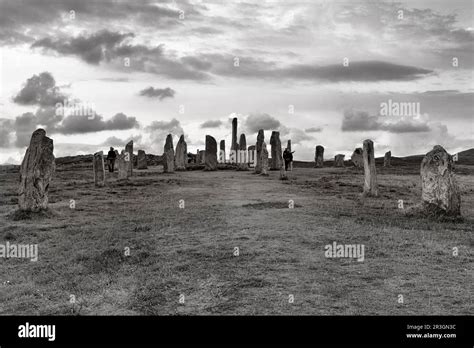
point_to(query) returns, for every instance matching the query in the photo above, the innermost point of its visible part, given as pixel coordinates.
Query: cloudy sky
(317, 71)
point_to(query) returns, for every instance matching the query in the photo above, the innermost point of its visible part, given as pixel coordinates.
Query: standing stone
(339, 160)
(202, 156)
(264, 159)
(234, 134)
(36, 173)
(123, 163)
(370, 181)
(129, 149)
(252, 156)
(259, 145)
(181, 156)
(242, 156)
(319, 156)
(387, 158)
(277, 158)
(440, 191)
(357, 158)
(141, 160)
(168, 155)
(222, 151)
(98, 166)
(288, 145)
(211, 153)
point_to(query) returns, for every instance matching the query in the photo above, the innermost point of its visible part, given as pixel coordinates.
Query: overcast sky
(317, 71)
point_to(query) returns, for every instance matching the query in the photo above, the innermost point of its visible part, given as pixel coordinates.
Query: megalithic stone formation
(370, 175)
(260, 140)
(141, 160)
(222, 155)
(129, 149)
(234, 134)
(387, 158)
(264, 159)
(242, 159)
(440, 191)
(210, 155)
(319, 156)
(357, 158)
(168, 155)
(339, 160)
(123, 163)
(36, 173)
(277, 159)
(98, 166)
(181, 155)
(288, 145)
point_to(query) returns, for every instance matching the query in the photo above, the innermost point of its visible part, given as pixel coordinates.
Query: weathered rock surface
(339, 160)
(242, 160)
(222, 154)
(357, 158)
(319, 156)
(259, 145)
(264, 159)
(129, 149)
(168, 155)
(36, 173)
(277, 159)
(234, 134)
(211, 153)
(440, 191)
(141, 160)
(98, 166)
(370, 175)
(181, 155)
(123, 164)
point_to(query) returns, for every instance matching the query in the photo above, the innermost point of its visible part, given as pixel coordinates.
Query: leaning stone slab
(357, 158)
(36, 173)
(99, 168)
(210, 161)
(370, 175)
(387, 158)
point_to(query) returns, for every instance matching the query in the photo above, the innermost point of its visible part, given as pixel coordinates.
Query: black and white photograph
(239, 159)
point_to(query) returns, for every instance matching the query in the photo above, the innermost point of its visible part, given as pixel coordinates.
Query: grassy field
(191, 251)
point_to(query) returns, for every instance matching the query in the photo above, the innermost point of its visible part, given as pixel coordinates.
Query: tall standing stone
(234, 134)
(181, 156)
(36, 173)
(264, 159)
(259, 145)
(357, 158)
(440, 191)
(242, 159)
(222, 156)
(141, 160)
(211, 153)
(387, 158)
(129, 149)
(168, 155)
(98, 166)
(339, 160)
(123, 162)
(370, 181)
(277, 159)
(319, 156)
(288, 145)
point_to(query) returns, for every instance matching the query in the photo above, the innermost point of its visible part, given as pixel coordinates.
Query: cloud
(211, 124)
(160, 129)
(39, 90)
(313, 130)
(362, 121)
(114, 141)
(84, 124)
(255, 122)
(158, 92)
